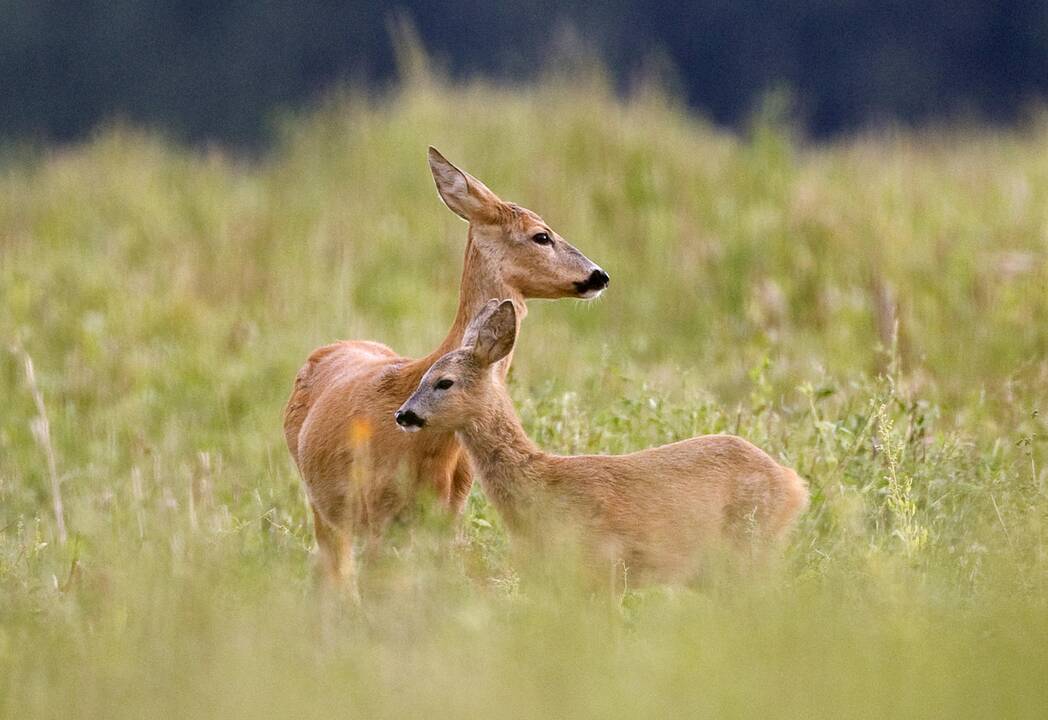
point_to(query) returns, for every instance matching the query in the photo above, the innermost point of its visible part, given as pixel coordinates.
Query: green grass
(167, 297)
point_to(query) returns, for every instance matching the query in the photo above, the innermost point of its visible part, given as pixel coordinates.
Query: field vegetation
(873, 312)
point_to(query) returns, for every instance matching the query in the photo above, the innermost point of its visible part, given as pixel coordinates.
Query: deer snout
(408, 420)
(594, 285)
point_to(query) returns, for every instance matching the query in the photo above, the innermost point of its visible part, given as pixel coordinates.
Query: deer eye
(444, 384)
(541, 239)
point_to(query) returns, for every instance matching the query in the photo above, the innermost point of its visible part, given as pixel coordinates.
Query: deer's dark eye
(444, 384)
(542, 239)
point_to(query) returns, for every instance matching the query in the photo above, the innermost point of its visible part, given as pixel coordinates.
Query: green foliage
(873, 313)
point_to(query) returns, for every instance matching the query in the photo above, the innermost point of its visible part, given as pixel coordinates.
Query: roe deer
(655, 511)
(336, 421)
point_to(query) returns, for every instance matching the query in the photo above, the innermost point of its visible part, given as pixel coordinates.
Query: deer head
(531, 259)
(456, 388)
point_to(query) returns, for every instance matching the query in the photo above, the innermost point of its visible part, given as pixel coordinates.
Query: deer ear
(493, 332)
(464, 195)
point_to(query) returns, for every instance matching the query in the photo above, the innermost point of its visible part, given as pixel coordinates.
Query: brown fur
(359, 471)
(656, 510)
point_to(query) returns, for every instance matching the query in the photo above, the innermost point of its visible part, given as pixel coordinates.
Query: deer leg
(334, 556)
(461, 484)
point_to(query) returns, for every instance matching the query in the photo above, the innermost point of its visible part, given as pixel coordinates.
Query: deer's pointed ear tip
(507, 310)
(490, 307)
(434, 155)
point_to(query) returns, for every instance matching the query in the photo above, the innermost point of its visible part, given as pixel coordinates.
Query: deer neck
(503, 456)
(481, 281)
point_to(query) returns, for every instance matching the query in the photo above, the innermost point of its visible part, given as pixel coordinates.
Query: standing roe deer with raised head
(337, 419)
(655, 511)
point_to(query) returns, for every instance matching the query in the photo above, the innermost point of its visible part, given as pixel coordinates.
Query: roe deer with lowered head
(352, 459)
(656, 511)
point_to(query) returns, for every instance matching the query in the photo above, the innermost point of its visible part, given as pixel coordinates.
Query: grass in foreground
(167, 297)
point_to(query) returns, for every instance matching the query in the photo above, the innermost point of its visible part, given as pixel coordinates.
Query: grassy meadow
(873, 312)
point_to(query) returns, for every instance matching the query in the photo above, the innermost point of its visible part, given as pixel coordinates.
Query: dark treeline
(207, 69)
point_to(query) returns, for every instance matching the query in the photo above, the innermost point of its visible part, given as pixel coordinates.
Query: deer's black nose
(408, 418)
(597, 280)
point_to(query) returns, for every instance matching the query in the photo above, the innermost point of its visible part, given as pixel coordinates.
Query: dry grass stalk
(41, 428)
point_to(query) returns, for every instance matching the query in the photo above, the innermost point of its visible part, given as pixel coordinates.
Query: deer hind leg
(335, 562)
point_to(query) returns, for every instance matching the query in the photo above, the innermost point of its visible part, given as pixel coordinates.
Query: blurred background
(221, 71)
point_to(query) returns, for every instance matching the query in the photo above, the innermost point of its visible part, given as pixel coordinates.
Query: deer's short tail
(795, 499)
(303, 394)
